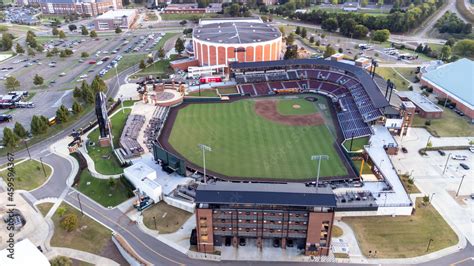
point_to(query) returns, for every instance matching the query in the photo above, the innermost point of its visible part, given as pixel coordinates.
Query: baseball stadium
(285, 114)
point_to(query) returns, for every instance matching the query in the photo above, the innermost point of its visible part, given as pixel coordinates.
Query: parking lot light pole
(319, 158)
(446, 164)
(42, 165)
(27, 149)
(204, 148)
(459, 188)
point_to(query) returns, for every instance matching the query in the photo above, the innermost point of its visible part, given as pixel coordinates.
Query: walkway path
(80, 255)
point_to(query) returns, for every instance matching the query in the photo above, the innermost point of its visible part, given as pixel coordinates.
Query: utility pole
(80, 204)
(27, 149)
(429, 244)
(204, 148)
(459, 188)
(319, 158)
(154, 220)
(446, 164)
(42, 165)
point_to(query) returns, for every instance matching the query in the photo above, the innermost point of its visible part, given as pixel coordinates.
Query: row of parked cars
(138, 45)
(112, 64)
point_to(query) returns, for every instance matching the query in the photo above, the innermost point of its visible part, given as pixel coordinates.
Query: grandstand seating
(262, 88)
(247, 89)
(128, 139)
(290, 84)
(155, 125)
(276, 76)
(275, 85)
(293, 75)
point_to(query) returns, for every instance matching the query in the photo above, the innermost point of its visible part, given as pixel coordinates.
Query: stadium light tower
(204, 148)
(319, 158)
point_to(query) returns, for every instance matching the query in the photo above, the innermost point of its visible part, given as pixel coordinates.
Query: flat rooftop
(455, 78)
(420, 101)
(288, 194)
(239, 32)
(111, 14)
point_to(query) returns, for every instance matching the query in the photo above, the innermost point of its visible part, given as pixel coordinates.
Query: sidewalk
(80, 255)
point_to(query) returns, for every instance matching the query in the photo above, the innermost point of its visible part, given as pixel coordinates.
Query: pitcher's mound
(296, 106)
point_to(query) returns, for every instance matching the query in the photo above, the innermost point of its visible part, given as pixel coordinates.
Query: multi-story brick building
(81, 7)
(287, 215)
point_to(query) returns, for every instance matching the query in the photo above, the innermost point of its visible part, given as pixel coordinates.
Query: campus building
(454, 81)
(278, 215)
(122, 18)
(81, 7)
(222, 41)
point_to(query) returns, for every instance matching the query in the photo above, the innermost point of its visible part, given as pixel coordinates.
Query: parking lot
(61, 75)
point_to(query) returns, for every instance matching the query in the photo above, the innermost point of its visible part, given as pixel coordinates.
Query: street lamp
(459, 188)
(204, 148)
(432, 195)
(429, 138)
(319, 158)
(446, 164)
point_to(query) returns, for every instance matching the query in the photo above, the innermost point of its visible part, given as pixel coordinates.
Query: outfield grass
(168, 218)
(102, 191)
(403, 236)
(286, 107)
(28, 175)
(104, 158)
(357, 144)
(247, 145)
(450, 125)
(90, 236)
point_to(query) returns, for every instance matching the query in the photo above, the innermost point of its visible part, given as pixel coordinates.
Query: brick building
(81, 7)
(287, 215)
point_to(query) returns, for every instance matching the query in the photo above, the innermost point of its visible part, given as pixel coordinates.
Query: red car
(92, 62)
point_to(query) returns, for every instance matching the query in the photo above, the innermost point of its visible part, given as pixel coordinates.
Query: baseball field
(259, 138)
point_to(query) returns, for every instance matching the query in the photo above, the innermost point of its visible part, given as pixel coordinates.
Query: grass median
(449, 125)
(29, 174)
(168, 218)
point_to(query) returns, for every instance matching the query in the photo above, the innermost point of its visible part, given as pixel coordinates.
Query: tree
(282, 30)
(118, 30)
(84, 30)
(445, 53)
(450, 42)
(298, 30)
(161, 53)
(7, 41)
(329, 51)
(364, 3)
(464, 48)
(72, 27)
(381, 35)
(55, 31)
(93, 34)
(12, 83)
(311, 39)
(290, 39)
(61, 261)
(179, 46)
(30, 39)
(10, 140)
(62, 114)
(19, 49)
(19, 130)
(39, 125)
(340, 50)
(69, 222)
(347, 27)
(77, 93)
(142, 64)
(419, 48)
(31, 52)
(39, 48)
(329, 24)
(318, 43)
(360, 31)
(291, 52)
(77, 108)
(111, 182)
(62, 35)
(84, 54)
(98, 85)
(149, 60)
(38, 80)
(303, 33)
(88, 95)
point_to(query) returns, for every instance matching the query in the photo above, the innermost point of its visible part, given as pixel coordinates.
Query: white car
(471, 149)
(459, 157)
(83, 76)
(62, 74)
(99, 62)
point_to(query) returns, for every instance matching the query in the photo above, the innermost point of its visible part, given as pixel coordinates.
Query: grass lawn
(168, 218)
(104, 158)
(449, 125)
(247, 145)
(227, 90)
(44, 207)
(102, 191)
(204, 93)
(159, 67)
(407, 72)
(409, 187)
(403, 236)
(90, 236)
(127, 61)
(389, 73)
(28, 175)
(164, 39)
(357, 144)
(336, 231)
(188, 16)
(286, 107)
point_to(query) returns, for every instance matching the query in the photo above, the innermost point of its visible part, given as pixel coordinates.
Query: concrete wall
(180, 204)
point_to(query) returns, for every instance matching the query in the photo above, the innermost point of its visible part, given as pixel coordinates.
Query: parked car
(404, 150)
(442, 153)
(463, 165)
(5, 118)
(459, 157)
(471, 149)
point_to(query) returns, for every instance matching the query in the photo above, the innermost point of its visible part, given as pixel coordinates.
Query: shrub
(428, 122)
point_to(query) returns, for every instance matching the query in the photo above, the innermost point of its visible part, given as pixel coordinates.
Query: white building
(144, 178)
